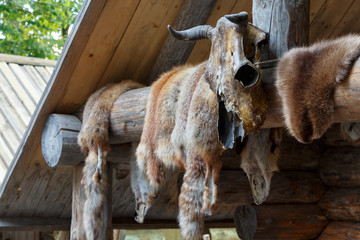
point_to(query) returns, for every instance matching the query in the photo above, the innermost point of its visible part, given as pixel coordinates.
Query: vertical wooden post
(286, 21)
(78, 199)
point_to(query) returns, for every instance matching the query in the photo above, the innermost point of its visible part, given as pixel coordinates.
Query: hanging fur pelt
(306, 80)
(94, 141)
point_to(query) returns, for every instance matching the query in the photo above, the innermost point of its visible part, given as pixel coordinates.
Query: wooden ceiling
(114, 40)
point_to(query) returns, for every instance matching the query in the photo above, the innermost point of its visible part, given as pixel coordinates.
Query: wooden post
(78, 199)
(286, 21)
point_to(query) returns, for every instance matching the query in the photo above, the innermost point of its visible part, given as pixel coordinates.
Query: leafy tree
(36, 28)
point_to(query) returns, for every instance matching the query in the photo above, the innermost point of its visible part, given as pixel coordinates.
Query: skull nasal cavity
(247, 75)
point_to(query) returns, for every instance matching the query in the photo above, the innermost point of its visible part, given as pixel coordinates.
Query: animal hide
(94, 141)
(306, 79)
(182, 117)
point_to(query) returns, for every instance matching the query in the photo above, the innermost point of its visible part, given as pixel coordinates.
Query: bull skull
(233, 74)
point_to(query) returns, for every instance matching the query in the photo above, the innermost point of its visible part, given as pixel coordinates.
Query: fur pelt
(306, 79)
(94, 141)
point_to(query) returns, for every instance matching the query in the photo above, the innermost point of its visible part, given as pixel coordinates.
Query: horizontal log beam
(341, 231)
(341, 204)
(127, 117)
(339, 167)
(34, 224)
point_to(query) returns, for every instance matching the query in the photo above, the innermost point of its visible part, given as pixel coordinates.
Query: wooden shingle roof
(22, 81)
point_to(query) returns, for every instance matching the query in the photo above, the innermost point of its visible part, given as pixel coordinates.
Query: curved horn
(239, 18)
(195, 33)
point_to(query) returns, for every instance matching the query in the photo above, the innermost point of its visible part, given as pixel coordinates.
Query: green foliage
(36, 28)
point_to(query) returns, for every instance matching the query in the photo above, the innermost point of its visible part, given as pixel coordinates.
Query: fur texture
(181, 123)
(306, 79)
(94, 141)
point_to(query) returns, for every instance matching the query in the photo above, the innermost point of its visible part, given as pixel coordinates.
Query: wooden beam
(173, 51)
(34, 224)
(339, 167)
(127, 117)
(341, 231)
(8, 58)
(341, 204)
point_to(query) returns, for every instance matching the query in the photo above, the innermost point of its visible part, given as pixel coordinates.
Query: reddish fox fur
(306, 79)
(94, 141)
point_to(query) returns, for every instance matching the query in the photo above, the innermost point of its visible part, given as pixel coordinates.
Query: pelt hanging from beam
(306, 80)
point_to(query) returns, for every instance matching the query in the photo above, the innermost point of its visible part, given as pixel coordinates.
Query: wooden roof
(22, 81)
(114, 40)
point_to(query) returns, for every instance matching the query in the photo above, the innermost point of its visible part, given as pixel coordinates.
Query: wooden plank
(29, 85)
(327, 18)
(349, 22)
(50, 70)
(149, 26)
(9, 134)
(5, 152)
(202, 48)
(173, 51)
(33, 224)
(341, 231)
(30, 147)
(13, 100)
(40, 82)
(315, 6)
(115, 16)
(341, 204)
(3, 168)
(289, 221)
(56, 194)
(17, 87)
(339, 167)
(12, 116)
(44, 74)
(29, 191)
(8, 58)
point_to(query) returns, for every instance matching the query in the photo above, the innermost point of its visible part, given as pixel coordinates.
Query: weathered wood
(26, 60)
(245, 222)
(33, 224)
(287, 23)
(289, 221)
(173, 51)
(341, 231)
(339, 167)
(341, 204)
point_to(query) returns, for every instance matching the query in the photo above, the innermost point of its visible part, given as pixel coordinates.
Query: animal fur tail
(306, 80)
(94, 141)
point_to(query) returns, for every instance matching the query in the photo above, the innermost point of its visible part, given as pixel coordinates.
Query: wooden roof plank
(149, 20)
(327, 18)
(39, 81)
(27, 82)
(55, 194)
(9, 134)
(202, 48)
(43, 73)
(93, 61)
(5, 152)
(175, 52)
(35, 179)
(3, 168)
(13, 118)
(315, 6)
(13, 100)
(346, 23)
(30, 147)
(50, 70)
(17, 87)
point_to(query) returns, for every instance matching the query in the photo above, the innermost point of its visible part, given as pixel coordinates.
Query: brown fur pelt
(94, 141)
(306, 79)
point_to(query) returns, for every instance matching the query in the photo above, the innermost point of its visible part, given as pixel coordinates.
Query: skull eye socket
(247, 75)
